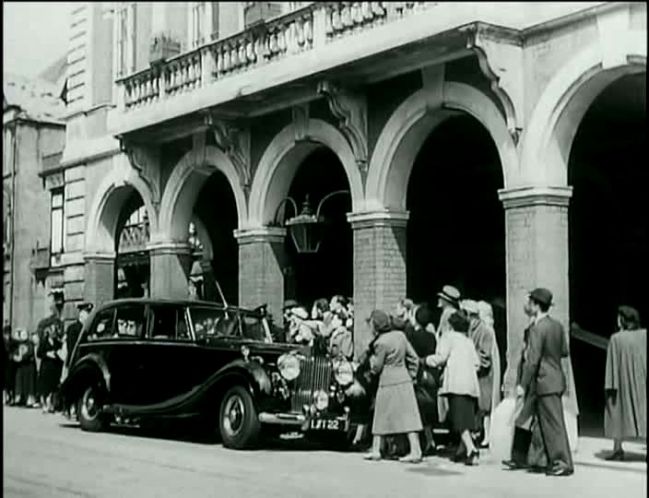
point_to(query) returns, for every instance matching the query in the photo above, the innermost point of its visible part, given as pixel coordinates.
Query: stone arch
(547, 140)
(410, 125)
(281, 160)
(108, 201)
(183, 186)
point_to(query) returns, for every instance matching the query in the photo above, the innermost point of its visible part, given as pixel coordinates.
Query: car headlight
(289, 366)
(321, 400)
(343, 372)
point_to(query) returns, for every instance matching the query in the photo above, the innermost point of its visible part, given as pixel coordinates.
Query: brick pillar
(262, 258)
(170, 266)
(379, 266)
(99, 278)
(536, 228)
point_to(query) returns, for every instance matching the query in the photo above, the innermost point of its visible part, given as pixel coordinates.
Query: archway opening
(456, 230)
(211, 237)
(133, 263)
(607, 228)
(329, 271)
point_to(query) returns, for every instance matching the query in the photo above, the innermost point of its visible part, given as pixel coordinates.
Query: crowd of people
(36, 362)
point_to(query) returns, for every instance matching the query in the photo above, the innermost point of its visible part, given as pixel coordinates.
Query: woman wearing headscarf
(395, 411)
(625, 384)
(457, 354)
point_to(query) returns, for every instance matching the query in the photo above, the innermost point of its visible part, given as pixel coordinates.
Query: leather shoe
(514, 465)
(472, 459)
(616, 456)
(559, 471)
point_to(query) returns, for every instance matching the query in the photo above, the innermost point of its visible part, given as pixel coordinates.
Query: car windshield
(214, 322)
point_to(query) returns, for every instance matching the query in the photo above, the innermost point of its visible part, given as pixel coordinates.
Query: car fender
(91, 362)
(253, 371)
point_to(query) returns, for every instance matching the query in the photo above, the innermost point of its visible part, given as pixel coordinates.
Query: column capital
(168, 247)
(386, 218)
(535, 196)
(260, 234)
(99, 256)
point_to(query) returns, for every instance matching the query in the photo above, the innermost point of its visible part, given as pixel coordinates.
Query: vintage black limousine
(147, 359)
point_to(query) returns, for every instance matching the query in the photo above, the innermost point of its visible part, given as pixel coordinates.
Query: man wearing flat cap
(542, 372)
(74, 330)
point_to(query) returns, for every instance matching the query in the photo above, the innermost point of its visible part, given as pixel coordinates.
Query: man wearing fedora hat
(542, 372)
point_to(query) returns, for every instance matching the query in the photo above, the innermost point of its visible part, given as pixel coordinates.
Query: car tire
(88, 410)
(238, 419)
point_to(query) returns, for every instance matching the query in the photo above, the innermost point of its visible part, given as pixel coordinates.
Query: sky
(35, 34)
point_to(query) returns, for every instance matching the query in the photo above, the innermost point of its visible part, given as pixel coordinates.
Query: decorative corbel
(500, 56)
(301, 122)
(234, 142)
(146, 162)
(350, 109)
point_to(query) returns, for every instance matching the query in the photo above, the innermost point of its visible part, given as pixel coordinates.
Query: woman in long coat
(51, 366)
(457, 354)
(625, 383)
(395, 410)
(26, 369)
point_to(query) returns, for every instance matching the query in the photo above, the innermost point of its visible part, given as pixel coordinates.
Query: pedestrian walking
(395, 410)
(25, 370)
(547, 346)
(625, 384)
(51, 365)
(422, 339)
(457, 354)
(448, 299)
(10, 365)
(484, 340)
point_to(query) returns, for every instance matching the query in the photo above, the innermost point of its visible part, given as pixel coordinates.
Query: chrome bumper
(282, 419)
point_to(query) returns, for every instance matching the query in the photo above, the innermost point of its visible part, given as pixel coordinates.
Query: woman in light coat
(395, 410)
(460, 386)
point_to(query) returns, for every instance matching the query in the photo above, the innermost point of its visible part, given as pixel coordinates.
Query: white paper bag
(502, 430)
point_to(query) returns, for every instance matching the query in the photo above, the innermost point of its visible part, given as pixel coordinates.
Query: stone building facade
(165, 98)
(33, 237)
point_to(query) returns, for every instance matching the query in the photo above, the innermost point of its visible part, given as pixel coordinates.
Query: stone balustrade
(302, 30)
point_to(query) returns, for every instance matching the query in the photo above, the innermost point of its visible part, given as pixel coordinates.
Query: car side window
(130, 322)
(168, 323)
(103, 326)
(214, 322)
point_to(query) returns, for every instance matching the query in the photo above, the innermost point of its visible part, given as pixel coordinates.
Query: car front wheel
(238, 420)
(89, 410)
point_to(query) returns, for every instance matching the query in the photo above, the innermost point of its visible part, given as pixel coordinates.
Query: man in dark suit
(543, 374)
(74, 330)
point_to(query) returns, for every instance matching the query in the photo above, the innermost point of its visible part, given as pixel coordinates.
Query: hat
(470, 306)
(450, 294)
(541, 296)
(424, 315)
(300, 313)
(459, 321)
(290, 303)
(380, 321)
(84, 306)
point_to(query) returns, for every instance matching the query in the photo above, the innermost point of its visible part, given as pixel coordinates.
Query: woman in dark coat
(395, 409)
(422, 339)
(26, 369)
(51, 365)
(10, 365)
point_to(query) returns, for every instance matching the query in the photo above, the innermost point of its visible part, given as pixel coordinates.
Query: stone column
(99, 278)
(262, 258)
(536, 228)
(379, 266)
(170, 267)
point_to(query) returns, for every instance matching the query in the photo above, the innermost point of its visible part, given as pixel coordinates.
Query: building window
(57, 219)
(197, 19)
(125, 39)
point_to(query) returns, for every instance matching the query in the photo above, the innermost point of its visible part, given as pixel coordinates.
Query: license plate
(321, 424)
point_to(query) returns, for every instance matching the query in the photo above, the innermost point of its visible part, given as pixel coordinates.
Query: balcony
(277, 63)
(40, 260)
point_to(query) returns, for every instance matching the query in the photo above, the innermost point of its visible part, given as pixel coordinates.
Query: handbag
(502, 429)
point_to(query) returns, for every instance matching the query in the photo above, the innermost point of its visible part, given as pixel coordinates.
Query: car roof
(178, 302)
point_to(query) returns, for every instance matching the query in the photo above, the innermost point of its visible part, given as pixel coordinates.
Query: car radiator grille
(315, 375)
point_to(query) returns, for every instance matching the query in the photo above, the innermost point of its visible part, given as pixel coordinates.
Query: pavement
(47, 456)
